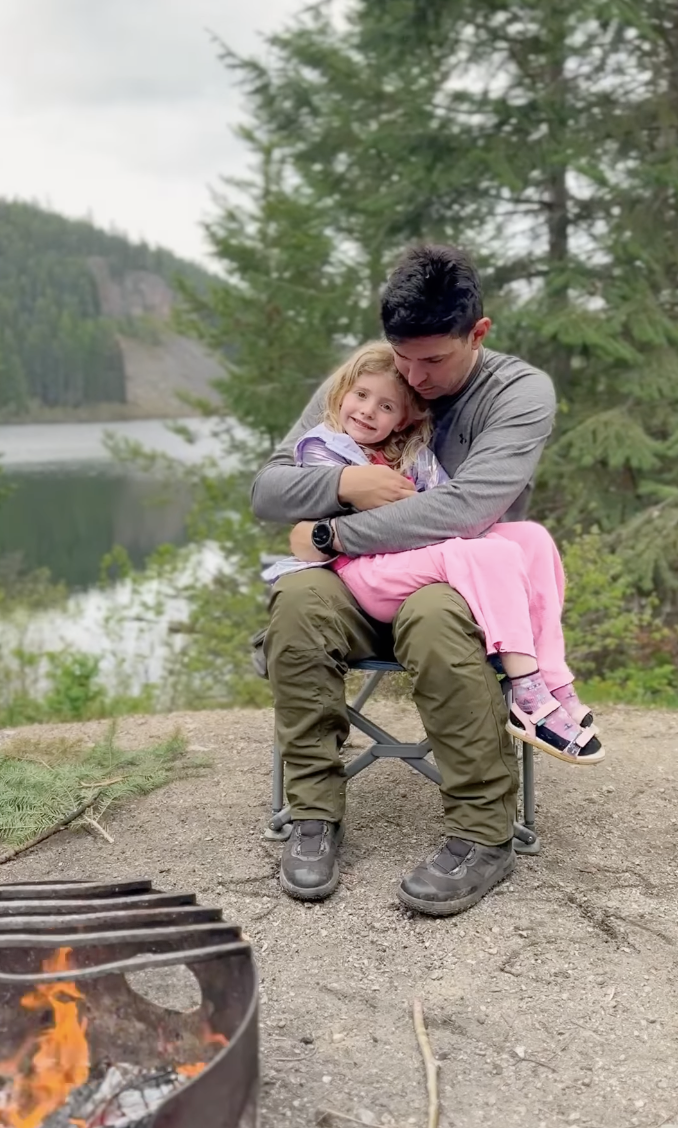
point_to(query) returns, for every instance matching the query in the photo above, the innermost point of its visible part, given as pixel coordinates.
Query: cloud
(121, 109)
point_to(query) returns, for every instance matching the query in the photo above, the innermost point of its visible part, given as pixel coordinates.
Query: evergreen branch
(62, 824)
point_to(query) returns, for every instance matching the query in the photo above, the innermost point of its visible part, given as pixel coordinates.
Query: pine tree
(286, 305)
(376, 130)
(13, 389)
(640, 288)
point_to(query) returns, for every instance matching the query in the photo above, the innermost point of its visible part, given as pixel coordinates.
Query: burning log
(43, 1074)
(127, 1097)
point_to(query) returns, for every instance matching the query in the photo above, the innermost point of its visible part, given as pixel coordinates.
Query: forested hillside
(70, 297)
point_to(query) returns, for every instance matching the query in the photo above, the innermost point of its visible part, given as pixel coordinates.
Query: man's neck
(476, 361)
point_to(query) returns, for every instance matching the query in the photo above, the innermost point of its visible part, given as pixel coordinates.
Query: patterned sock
(567, 696)
(530, 693)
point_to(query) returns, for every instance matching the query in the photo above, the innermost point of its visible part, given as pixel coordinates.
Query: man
(492, 416)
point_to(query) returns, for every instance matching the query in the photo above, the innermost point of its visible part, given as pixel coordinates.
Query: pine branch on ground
(42, 782)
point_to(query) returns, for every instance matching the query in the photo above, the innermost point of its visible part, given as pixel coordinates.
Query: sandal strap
(577, 746)
(539, 714)
(582, 738)
(530, 721)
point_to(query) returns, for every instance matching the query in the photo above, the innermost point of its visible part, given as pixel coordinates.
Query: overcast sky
(121, 110)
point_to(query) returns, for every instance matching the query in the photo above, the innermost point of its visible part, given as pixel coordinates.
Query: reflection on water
(72, 501)
(68, 519)
(71, 504)
(115, 624)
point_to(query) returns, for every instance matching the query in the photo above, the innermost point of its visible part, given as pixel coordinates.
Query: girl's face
(373, 408)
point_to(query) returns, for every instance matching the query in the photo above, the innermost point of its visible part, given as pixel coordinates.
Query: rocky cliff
(160, 366)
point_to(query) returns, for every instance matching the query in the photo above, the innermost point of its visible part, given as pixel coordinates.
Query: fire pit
(80, 1048)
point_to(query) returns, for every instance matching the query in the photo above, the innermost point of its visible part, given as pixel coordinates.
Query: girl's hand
(368, 487)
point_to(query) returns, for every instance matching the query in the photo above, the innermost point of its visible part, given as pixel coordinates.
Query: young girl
(512, 577)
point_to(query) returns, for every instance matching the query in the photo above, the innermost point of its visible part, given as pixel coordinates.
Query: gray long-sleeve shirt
(489, 438)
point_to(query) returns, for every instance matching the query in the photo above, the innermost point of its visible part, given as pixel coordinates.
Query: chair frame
(387, 747)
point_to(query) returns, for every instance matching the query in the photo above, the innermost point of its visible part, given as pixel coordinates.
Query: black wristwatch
(322, 536)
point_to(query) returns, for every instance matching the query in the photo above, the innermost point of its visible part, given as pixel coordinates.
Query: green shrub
(75, 693)
(616, 644)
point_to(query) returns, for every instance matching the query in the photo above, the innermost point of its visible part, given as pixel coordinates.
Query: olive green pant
(317, 627)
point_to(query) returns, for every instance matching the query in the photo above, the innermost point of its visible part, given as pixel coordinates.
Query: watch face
(322, 535)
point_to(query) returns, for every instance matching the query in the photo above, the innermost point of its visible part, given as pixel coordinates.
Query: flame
(58, 1058)
(51, 1064)
(193, 1070)
(210, 1038)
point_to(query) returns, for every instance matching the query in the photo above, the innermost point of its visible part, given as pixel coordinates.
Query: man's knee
(305, 600)
(436, 618)
(308, 614)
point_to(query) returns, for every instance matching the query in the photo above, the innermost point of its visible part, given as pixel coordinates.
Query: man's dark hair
(433, 291)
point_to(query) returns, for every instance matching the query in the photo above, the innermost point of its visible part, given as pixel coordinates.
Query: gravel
(551, 1003)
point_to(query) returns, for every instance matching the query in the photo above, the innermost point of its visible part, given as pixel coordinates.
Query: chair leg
(528, 786)
(278, 781)
(525, 837)
(280, 827)
(367, 689)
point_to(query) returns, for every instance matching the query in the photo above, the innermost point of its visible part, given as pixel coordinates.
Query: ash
(126, 1097)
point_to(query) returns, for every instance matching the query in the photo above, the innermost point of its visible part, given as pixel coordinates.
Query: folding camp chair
(385, 746)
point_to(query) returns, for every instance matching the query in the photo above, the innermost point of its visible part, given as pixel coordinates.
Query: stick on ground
(328, 1115)
(98, 829)
(61, 825)
(430, 1063)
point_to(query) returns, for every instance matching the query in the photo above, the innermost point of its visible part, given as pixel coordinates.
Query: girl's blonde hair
(376, 359)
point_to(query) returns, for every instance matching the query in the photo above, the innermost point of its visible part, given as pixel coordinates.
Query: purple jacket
(320, 447)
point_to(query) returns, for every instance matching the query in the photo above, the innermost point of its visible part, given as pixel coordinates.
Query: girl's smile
(373, 408)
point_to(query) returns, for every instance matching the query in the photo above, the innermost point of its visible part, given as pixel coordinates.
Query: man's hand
(368, 487)
(302, 545)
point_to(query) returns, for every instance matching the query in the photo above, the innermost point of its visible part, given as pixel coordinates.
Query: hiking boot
(309, 869)
(456, 877)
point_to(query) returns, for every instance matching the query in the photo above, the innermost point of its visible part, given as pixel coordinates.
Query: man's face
(440, 365)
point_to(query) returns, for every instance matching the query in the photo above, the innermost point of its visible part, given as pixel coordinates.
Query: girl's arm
(316, 453)
(284, 492)
(427, 472)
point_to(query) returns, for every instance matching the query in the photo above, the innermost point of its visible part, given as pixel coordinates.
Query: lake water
(71, 501)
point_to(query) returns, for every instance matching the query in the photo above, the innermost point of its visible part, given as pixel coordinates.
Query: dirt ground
(553, 1002)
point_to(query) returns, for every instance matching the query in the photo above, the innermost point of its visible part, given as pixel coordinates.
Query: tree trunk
(558, 219)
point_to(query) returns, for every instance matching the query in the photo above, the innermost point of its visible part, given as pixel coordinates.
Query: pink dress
(512, 579)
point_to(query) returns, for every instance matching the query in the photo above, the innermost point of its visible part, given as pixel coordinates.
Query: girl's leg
(492, 574)
(488, 573)
(382, 583)
(547, 583)
(547, 592)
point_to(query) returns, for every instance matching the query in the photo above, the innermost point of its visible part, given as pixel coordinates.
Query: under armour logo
(462, 439)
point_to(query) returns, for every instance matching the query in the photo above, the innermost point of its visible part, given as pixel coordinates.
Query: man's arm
(285, 493)
(500, 464)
